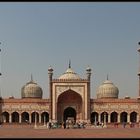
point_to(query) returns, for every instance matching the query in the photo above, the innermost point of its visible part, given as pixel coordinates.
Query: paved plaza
(28, 131)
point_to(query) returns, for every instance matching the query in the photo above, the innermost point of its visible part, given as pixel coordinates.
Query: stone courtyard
(28, 131)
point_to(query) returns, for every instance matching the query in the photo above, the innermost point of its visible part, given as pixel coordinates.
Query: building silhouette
(69, 98)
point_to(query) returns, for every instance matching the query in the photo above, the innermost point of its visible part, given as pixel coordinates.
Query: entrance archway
(68, 99)
(69, 113)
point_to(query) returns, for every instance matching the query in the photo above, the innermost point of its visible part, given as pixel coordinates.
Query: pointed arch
(94, 117)
(133, 116)
(44, 117)
(15, 116)
(114, 117)
(123, 116)
(104, 116)
(5, 117)
(69, 112)
(24, 116)
(33, 117)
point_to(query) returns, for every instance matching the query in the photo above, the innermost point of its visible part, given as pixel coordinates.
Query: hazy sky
(103, 35)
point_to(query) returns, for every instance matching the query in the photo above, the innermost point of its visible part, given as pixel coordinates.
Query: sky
(102, 35)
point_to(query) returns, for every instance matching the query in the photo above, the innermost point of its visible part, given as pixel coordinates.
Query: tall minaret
(139, 68)
(0, 63)
(50, 73)
(1, 101)
(88, 70)
(0, 72)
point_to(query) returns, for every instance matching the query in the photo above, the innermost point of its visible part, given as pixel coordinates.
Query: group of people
(72, 124)
(124, 124)
(101, 124)
(66, 124)
(81, 124)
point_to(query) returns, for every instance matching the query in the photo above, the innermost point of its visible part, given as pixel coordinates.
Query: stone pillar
(39, 118)
(128, 118)
(30, 118)
(118, 118)
(19, 118)
(99, 119)
(10, 118)
(108, 118)
(55, 112)
(137, 118)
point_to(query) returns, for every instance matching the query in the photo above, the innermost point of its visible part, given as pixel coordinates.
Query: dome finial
(69, 63)
(107, 76)
(31, 77)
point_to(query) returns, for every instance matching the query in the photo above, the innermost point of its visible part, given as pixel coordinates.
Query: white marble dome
(69, 74)
(107, 90)
(31, 90)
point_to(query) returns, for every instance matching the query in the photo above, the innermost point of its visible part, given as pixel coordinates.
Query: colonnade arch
(123, 117)
(94, 117)
(133, 116)
(114, 116)
(15, 117)
(44, 117)
(22, 117)
(104, 116)
(5, 117)
(33, 117)
(110, 116)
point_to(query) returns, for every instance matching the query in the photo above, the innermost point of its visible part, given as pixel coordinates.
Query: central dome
(69, 74)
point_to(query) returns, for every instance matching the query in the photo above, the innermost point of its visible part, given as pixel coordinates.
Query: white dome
(31, 90)
(107, 90)
(69, 74)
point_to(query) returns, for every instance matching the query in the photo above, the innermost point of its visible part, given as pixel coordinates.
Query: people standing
(64, 125)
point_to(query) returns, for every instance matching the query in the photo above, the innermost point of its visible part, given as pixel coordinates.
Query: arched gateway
(69, 114)
(69, 96)
(69, 106)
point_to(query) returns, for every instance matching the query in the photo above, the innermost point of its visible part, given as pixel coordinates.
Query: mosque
(69, 98)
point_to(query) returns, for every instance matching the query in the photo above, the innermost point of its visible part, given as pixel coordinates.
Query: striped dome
(31, 90)
(107, 90)
(69, 74)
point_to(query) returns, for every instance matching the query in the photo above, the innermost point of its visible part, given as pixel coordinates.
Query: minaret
(0, 63)
(1, 100)
(139, 68)
(88, 70)
(0, 74)
(50, 73)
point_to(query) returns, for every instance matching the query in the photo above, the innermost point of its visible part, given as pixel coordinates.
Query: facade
(69, 99)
